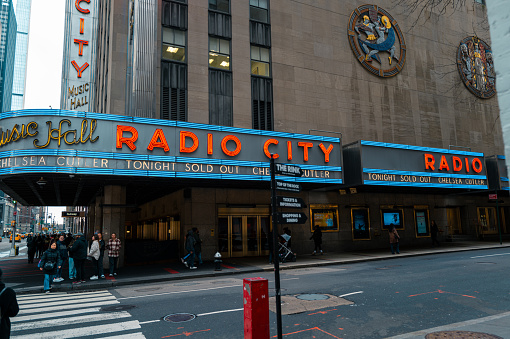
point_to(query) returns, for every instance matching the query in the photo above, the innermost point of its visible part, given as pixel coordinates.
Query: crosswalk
(76, 315)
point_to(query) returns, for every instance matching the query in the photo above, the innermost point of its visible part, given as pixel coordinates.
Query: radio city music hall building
(171, 110)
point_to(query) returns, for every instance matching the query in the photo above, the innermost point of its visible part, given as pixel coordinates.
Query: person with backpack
(190, 247)
(49, 264)
(9, 307)
(62, 249)
(79, 254)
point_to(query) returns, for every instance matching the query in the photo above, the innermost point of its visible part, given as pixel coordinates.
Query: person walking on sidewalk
(94, 255)
(113, 248)
(79, 252)
(434, 230)
(72, 268)
(50, 263)
(394, 240)
(32, 247)
(317, 240)
(190, 247)
(9, 307)
(102, 247)
(62, 250)
(198, 245)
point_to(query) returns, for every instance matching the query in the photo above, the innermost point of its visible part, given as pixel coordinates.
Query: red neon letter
(224, 145)
(444, 164)
(193, 148)
(78, 68)
(305, 146)
(467, 164)
(289, 150)
(130, 141)
(326, 151)
(82, 25)
(209, 143)
(82, 10)
(266, 148)
(158, 134)
(477, 165)
(80, 44)
(457, 164)
(429, 161)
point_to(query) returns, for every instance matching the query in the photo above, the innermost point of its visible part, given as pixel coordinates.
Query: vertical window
(174, 44)
(220, 5)
(260, 61)
(258, 10)
(219, 53)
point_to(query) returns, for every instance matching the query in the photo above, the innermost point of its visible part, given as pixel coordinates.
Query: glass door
(454, 221)
(487, 220)
(243, 235)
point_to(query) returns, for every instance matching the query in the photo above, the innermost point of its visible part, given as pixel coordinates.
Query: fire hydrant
(217, 261)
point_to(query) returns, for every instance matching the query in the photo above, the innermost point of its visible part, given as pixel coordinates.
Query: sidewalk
(26, 278)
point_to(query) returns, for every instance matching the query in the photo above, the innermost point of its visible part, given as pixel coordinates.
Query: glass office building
(7, 53)
(20, 64)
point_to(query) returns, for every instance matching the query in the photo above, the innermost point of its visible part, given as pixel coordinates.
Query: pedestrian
(62, 249)
(113, 248)
(198, 245)
(190, 247)
(94, 256)
(72, 268)
(102, 247)
(40, 245)
(394, 239)
(317, 240)
(49, 264)
(32, 247)
(79, 252)
(434, 230)
(9, 307)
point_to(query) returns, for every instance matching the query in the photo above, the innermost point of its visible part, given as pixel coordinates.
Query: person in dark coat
(49, 264)
(190, 247)
(39, 245)
(198, 245)
(32, 247)
(102, 247)
(434, 230)
(62, 249)
(79, 253)
(9, 307)
(317, 239)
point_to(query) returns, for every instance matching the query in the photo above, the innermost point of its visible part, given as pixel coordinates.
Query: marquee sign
(79, 55)
(53, 141)
(386, 164)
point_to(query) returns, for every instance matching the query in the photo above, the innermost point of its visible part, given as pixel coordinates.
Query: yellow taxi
(16, 239)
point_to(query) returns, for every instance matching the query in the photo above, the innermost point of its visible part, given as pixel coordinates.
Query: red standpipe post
(256, 308)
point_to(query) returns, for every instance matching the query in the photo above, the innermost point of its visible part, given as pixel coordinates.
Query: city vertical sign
(79, 62)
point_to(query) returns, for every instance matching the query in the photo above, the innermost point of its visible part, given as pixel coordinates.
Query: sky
(44, 63)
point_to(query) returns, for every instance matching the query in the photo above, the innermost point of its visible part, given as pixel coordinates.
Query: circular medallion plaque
(377, 41)
(476, 67)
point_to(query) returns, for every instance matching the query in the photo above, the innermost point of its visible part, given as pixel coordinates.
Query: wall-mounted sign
(79, 62)
(76, 142)
(291, 218)
(421, 220)
(476, 67)
(290, 202)
(288, 186)
(376, 40)
(324, 216)
(415, 166)
(67, 214)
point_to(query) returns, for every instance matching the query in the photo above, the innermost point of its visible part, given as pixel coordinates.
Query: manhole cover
(179, 317)
(117, 308)
(186, 284)
(312, 297)
(460, 335)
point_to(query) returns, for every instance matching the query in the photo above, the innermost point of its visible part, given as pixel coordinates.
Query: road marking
(60, 295)
(150, 321)
(217, 312)
(69, 321)
(39, 304)
(345, 295)
(66, 307)
(138, 335)
(7, 253)
(84, 331)
(489, 255)
(450, 327)
(177, 292)
(55, 314)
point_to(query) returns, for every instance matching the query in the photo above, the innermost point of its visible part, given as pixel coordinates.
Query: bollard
(217, 261)
(256, 308)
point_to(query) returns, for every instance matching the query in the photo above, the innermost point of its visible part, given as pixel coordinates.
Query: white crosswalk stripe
(62, 315)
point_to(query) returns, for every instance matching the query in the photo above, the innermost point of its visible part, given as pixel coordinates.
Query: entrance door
(454, 223)
(243, 235)
(487, 220)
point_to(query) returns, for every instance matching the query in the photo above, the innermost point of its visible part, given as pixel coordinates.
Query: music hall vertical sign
(79, 61)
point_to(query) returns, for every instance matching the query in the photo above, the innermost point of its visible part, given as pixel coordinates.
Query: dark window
(220, 98)
(220, 5)
(174, 91)
(262, 103)
(259, 10)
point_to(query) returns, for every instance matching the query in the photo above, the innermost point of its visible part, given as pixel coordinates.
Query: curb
(254, 269)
